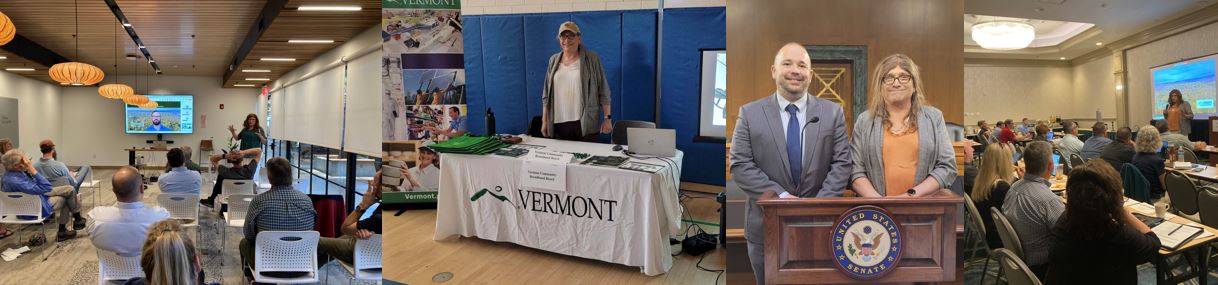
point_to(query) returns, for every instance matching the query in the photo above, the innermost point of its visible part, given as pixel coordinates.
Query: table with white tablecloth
(605, 213)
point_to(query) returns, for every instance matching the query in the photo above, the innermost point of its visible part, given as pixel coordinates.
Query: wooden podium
(799, 237)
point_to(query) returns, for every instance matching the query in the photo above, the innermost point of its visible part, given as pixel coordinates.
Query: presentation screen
(713, 106)
(1195, 80)
(174, 114)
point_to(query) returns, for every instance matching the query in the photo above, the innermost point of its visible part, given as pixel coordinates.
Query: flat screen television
(174, 114)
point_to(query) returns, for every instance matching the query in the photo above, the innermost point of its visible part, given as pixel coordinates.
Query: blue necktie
(794, 151)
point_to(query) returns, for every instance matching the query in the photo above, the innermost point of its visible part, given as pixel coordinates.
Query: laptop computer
(657, 142)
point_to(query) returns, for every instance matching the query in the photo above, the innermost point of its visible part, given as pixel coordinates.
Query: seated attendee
(1024, 126)
(23, 177)
(282, 208)
(996, 131)
(190, 164)
(425, 175)
(1006, 135)
(1095, 145)
(991, 186)
(343, 248)
(1120, 151)
(1042, 132)
(1148, 161)
(5, 146)
(1172, 138)
(1032, 208)
(1070, 144)
(169, 256)
(237, 170)
(985, 133)
(1098, 240)
(179, 179)
(55, 171)
(122, 227)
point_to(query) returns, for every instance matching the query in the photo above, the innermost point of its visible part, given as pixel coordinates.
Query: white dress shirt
(123, 227)
(801, 115)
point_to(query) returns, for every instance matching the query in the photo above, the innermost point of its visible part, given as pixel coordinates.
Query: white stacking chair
(14, 204)
(280, 251)
(111, 266)
(235, 217)
(89, 183)
(231, 187)
(367, 260)
(182, 206)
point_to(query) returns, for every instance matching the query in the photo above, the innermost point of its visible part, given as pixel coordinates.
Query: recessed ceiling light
(1119, 87)
(255, 70)
(257, 79)
(1062, 58)
(1099, 43)
(142, 47)
(126, 24)
(329, 8)
(3, 57)
(310, 41)
(244, 85)
(19, 69)
(277, 59)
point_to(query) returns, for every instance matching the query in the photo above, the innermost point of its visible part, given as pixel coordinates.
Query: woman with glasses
(900, 144)
(575, 91)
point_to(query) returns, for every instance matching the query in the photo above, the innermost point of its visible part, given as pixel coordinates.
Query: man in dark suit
(791, 144)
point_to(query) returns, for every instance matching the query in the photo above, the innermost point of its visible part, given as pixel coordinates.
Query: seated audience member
(5, 146)
(1148, 161)
(343, 248)
(1095, 145)
(1032, 208)
(1172, 138)
(52, 169)
(991, 186)
(1120, 151)
(121, 227)
(1042, 132)
(1070, 144)
(425, 175)
(985, 133)
(23, 177)
(179, 179)
(1006, 135)
(996, 131)
(1098, 240)
(190, 164)
(169, 257)
(237, 171)
(282, 208)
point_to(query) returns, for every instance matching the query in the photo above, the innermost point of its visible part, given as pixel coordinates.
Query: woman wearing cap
(575, 87)
(425, 175)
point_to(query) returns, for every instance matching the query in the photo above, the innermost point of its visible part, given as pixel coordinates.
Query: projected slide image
(421, 31)
(1194, 79)
(154, 120)
(720, 115)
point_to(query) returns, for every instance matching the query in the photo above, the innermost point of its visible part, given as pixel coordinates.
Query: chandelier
(7, 30)
(1003, 35)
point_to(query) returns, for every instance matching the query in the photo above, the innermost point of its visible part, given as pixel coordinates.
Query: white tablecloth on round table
(614, 215)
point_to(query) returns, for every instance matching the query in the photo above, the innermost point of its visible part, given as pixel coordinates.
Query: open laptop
(657, 142)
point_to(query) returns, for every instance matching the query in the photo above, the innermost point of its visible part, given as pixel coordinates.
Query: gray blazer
(759, 156)
(935, 155)
(595, 90)
(1186, 120)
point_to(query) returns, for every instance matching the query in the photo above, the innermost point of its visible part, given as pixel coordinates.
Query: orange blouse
(1173, 118)
(900, 153)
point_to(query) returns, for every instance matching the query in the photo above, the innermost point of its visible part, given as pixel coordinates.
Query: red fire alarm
(221, 106)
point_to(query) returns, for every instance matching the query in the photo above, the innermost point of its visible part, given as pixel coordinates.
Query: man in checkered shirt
(283, 208)
(1033, 209)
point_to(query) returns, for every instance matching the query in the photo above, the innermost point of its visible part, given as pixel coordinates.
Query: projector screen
(1195, 80)
(174, 114)
(713, 107)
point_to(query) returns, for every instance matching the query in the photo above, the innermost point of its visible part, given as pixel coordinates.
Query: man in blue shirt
(1096, 144)
(21, 176)
(55, 171)
(180, 179)
(156, 123)
(456, 127)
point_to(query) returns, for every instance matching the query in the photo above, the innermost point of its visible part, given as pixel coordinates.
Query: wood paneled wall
(929, 31)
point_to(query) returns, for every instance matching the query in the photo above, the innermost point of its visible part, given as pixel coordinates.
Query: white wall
(1013, 92)
(93, 125)
(38, 109)
(476, 7)
(1093, 89)
(1194, 43)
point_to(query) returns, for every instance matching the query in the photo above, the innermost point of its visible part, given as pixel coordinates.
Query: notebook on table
(1172, 234)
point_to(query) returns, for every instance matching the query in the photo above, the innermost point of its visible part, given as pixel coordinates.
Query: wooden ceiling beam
(260, 26)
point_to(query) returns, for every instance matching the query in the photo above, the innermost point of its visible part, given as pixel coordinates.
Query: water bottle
(490, 122)
(1179, 154)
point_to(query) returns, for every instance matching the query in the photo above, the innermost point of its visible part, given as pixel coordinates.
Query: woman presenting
(1179, 113)
(574, 88)
(900, 143)
(251, 135)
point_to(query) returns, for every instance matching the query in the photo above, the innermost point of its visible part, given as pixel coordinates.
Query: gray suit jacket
(1186, 118)
(759, 155)
(935, 155)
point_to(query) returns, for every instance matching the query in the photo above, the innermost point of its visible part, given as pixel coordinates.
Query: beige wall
(1194, 43)
(38, 109)
(93, 125)
(999, 89)
(1094, 88)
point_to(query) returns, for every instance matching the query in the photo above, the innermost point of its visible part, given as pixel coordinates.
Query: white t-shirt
(568, 100)
(428, 178)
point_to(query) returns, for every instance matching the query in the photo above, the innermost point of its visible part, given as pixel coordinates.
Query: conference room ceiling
(193, 38)
(1113, 19)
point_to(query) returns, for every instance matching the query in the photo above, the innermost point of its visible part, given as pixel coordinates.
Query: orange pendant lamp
(137, 100)
(76, 73)
(115, 90)
(149, 105)
(7, 30)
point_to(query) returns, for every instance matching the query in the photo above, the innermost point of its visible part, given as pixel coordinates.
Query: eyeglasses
(568, 36)
(904, 78)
